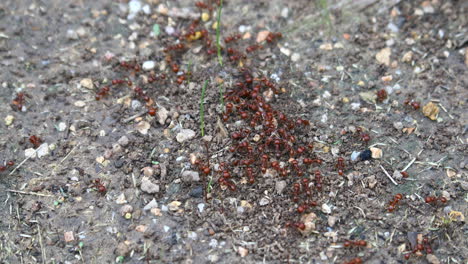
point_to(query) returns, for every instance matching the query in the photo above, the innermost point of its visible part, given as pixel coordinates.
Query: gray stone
(149, 187)
(190, 176)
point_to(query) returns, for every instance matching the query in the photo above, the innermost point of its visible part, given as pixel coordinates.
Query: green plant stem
(218, 26)
(202, 109)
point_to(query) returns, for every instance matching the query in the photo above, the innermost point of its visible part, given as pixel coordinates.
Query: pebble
(243, 251)
(431, 258)
(68, 236)
(397, 175)
(190, 176)
(43, 150)
(146, 9)
(205, 16)
(9, 120)
(162, 115)
(141, 228)
(355, 106)
(126, 209)
(169, 30)
(398, 125)
(326, 46)
(143, 127)
(326, 209)
(151, 205)
(285, 51)
(213, 243)
(184, 135)
(295, 57)
(148, 65)
(264, 201)
(383, 56)
(72, 35)
(121, 199)
(30, 152)
(87, 83)
(196, 192)
(134, 6)
(431, 110)
(61, 126)
(309, 222)
(80, 103)
(201, 207)
(407, 57)
(213, 258)
(376, 153)
(122, 249)
(262, 35)
(135, 104)
(285, 12)
(148, 171)
(365, 155)
(116, 148)
(123, 141)
(174, 205)
(279, 186)
(192, 235)
(332, 220)
(149, 187)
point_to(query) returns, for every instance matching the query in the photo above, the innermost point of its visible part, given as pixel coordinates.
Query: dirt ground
(110, 183)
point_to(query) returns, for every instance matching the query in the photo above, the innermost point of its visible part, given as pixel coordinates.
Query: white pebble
(148, 65)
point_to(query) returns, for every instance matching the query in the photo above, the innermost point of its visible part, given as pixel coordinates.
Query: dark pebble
(197, 192)
(366, 155)
(119, 163)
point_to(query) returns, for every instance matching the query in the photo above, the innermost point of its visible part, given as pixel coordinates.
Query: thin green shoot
(202, 109)
(210, 185)
(218, 26)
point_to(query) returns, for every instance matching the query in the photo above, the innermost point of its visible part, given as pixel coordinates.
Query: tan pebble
(431, 110)
(247, 35)
(243, 251)
(68, 236)
(383, 56)
(100, 159)
(376, 153)
(387, 78)
(141, 228)
(211, 232)
(174, 205)
(431, 258)
(407, 57)
(309, 222)
(205, 17)
(326, 46)
(87, 83)
(9, 120)
(156, 211)
(262, 35)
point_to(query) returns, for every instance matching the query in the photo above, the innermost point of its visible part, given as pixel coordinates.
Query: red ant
(394, 202)
(232, 38)
(10, 163)
(416, 105)
(97, 183)
(381, 95)
(102, 92)
(18, 102)
(340, 165)
(35, 140)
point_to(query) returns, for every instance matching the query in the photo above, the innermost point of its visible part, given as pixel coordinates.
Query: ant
(98, 184)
